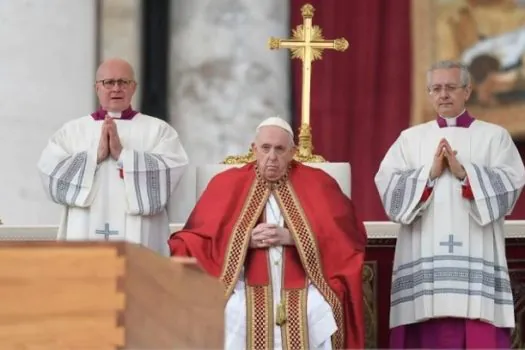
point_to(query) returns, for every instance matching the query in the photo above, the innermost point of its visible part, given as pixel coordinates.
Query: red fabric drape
(360, 98)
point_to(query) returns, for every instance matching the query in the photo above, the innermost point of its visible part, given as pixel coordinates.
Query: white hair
(464, 75)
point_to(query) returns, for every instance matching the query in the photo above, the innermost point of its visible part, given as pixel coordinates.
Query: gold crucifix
(307, 44)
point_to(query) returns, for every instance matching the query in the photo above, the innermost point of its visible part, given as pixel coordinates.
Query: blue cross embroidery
(451, 244)
(106, 232)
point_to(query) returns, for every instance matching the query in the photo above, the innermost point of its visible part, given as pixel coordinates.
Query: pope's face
(115, 86)
(274, 150)
(447, 93)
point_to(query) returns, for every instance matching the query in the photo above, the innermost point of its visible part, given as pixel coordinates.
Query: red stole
(256, 271)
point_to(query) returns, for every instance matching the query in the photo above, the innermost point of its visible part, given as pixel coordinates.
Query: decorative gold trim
(240, 239)
(298, 34)
(259, 317)
(306, 245)
(272, 185)
(243, 159)
(295, 329)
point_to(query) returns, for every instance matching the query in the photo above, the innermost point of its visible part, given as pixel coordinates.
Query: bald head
(115, 84)
(115, 66)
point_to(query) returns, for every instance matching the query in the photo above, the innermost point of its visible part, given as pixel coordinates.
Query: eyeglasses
(109, 83)
(436, 89)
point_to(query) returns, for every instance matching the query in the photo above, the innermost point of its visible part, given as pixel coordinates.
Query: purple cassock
(451, 333)
(126, 114)
(462, 121)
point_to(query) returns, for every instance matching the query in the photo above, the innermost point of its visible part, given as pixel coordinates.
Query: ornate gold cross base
(305, 148)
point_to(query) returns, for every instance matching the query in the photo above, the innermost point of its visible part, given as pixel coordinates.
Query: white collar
(452, 121)
(116, 115)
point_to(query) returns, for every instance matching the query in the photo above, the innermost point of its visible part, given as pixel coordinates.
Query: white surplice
(450, 253)
(98, 203)
(321, 321)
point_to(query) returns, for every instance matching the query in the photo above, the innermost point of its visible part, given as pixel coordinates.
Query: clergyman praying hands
(103, 145)
(445, 158)
(453, 163)
(115, 147)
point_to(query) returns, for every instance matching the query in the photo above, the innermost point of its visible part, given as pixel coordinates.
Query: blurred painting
(488, 36)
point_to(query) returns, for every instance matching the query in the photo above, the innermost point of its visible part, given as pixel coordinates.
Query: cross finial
(307, 11)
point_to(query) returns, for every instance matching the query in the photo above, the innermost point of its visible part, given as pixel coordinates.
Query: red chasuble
(329, 250)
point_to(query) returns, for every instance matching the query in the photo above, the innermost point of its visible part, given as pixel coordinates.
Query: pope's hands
(269, 235)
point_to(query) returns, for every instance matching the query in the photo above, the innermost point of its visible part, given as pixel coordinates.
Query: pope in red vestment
(323, 242)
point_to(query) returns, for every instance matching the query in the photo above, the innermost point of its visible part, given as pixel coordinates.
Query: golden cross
(307, 43)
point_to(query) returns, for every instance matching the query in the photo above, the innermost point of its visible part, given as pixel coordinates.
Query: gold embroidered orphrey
(307, 44)
(260, 313)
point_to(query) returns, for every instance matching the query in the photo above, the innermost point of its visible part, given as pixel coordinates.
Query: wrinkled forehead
(273, 136)
(445, 76)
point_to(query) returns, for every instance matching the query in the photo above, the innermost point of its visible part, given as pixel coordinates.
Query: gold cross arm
(337, 44)
(307, 42)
